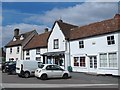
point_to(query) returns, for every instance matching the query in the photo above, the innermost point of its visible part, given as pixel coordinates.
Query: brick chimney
(60, 20)
(117, 16)
(16, 32)
(46, 29)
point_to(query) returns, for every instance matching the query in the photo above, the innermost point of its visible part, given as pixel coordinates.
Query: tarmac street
(77, 80)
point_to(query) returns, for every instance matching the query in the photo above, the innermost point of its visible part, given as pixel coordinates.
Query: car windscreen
(40, 65)
(11, 63)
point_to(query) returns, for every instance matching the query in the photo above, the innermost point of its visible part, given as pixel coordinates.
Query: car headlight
(39, 71)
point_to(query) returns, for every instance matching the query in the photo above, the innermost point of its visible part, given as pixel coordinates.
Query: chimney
(60, 20)
(46, 29)
(16, 32)
(117, 16)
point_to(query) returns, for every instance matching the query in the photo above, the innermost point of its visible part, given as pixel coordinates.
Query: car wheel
(44, 77)
(26, 74)
(8, 73)
(65, 76)
(13, 72)
(19, 75)
(38, 77)
(3, 70)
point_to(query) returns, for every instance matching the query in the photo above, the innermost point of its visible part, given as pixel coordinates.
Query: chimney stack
(46, 29)
(117, 16)
(60, 20)
(16, 32)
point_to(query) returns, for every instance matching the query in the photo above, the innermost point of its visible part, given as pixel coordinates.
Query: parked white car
(51, 71)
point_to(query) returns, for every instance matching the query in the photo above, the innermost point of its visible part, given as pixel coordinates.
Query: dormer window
(21, 38)
(14, 39)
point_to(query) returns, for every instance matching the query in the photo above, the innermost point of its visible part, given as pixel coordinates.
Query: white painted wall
(63, 44)
(14, 53)
(89, 49)
(56, 34)
(33, 54)
(100, 46)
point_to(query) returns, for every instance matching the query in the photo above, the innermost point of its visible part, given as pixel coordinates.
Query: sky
(28, 16)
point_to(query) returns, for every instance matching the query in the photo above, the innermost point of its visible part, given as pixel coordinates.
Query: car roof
(45, 65)
(49, 64)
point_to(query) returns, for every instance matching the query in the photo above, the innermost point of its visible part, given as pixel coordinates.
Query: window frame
(11, 50)
(37, 51)
(111, 40)
(37, 58)
(76, 61)
(27, 58)
(82, 64)
(108, 60)
(103, 63)
(27, 52)
(56, 44)
(113, 60)
(81, 44)
(18, 50)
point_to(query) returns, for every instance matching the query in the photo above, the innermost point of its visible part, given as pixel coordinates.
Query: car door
(49, 71)
(57, 71)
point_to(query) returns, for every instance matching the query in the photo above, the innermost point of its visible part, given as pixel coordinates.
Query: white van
(26, 68)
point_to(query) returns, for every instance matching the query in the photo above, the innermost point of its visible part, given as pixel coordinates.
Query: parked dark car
(11, 68)
(5, 65)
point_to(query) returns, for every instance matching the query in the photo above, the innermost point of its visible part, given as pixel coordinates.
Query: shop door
(93, 64)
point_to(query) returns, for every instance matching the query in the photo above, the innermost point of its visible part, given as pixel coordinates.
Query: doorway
(93, 63)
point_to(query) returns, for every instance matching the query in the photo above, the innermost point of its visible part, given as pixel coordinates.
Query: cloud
(80, 14)
(8, 30)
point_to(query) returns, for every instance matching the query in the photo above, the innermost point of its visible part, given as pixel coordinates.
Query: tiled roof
(98, 28)
(65, 27)
(71, 32)
(38, 41)
(18, 41)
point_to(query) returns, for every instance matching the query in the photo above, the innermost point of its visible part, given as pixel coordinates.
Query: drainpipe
(67, 54)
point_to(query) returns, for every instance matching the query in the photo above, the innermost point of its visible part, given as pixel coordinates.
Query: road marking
(7, 85)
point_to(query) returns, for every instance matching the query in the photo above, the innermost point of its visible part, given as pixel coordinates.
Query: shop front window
(76, 61)
(82, 61)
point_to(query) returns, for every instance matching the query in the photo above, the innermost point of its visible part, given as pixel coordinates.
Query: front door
(93, 63)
